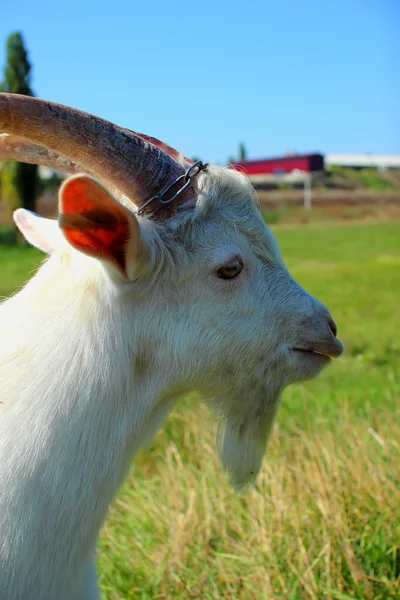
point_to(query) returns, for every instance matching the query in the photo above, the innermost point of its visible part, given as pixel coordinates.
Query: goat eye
(231, 270)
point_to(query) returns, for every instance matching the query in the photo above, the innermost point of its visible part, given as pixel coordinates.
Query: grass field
(323, 521)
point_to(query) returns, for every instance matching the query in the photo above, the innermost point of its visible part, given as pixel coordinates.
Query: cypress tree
(19, 181)
(242, 151)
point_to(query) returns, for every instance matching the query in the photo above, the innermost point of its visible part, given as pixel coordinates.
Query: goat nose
(332, 326)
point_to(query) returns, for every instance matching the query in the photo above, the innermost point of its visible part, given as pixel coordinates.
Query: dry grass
(321, 522)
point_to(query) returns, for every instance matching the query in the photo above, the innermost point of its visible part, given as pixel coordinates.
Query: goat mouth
(313, 354)
(324, 348)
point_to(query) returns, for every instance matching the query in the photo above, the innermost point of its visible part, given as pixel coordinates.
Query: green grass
(323, 520)
(17, 264)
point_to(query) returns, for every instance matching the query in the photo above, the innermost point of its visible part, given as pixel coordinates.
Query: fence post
(307, 191)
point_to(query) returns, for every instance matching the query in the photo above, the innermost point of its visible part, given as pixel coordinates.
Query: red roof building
(307, 163)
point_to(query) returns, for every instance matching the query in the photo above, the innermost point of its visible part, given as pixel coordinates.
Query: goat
(130, 312)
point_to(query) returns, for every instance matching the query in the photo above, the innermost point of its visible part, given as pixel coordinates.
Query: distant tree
(17, 72)
(19, 181)
(242, 152)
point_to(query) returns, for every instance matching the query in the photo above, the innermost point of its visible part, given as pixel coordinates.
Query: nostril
(332, 326)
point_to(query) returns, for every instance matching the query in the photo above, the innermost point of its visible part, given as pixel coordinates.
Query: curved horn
(14, 148)
(128, 162)
(178, 156)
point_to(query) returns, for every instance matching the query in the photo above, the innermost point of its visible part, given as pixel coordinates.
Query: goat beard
(244, 428)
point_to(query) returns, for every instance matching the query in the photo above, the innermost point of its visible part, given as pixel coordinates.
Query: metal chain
(183, 180)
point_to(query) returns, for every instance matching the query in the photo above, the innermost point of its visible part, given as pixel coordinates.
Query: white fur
(42, 233)
(90, 367)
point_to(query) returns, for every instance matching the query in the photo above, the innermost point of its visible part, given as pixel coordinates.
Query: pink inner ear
(101, 243)
(93, 221)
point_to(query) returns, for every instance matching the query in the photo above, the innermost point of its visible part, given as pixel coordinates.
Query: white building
(358, 161)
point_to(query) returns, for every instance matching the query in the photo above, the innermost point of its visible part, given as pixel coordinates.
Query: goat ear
(42, 233)
(96, 224)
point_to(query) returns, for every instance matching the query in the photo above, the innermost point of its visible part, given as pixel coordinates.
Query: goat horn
(117, 156)
(165, 148)
(14, 148)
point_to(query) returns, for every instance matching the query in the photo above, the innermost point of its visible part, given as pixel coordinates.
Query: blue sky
(203, 76)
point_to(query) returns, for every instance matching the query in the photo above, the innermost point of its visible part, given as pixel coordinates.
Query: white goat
(128, 314)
